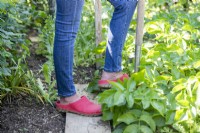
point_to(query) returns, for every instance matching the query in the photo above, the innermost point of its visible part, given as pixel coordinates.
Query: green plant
(45, 48)
(15, 78)
(43, 90)
(164, 95)
(41, 5)
(14, 49)
(18, 82)
(46, 35)
(133, 105)
(85, 41)
(142, 104)
(47, 70)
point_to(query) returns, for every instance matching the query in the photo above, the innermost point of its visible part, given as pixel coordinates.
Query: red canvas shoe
(83, 107)
(105, 83)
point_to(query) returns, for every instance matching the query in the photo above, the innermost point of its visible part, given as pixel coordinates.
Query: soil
(25, 115)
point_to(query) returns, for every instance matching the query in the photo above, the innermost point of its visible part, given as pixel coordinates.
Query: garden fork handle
(139, 33)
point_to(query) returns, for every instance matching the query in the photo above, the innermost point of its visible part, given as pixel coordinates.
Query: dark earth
(24, 114)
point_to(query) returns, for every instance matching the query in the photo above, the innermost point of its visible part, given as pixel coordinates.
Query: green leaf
(124, 82)
(197, 102)
(129, 99)
(149, 74)
(131, 84)
(194, 88)
(159, 120)
(179, 127)
(47, 73)
(119, 128)
(175, 72)
(187, 27)
(193, 112)
(100, 48)
(133, 128)
(172, 48)
(170, 117)
(197, 64)
(52, 84)
(145, 129)
(146, 103)
(5, 71)
(107, 97)
(25, 48)
(153, 54)
(139, 76)
(154, 95)
(41, 87)
(148, 119)
(171, 102)
(117, 85)
(163, 79)
(159, 106)
(127, 118)
(107, 115)
(136, 112)
(180, 114)
(6, 89)
(139, 92)
(93, 86)
(178, 88)
(119, 99)
(184, 103)
(180, 96)
(153, 27)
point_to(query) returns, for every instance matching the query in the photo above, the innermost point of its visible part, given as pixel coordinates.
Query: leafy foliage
(164, 95)
(13, 45)
(15, 78)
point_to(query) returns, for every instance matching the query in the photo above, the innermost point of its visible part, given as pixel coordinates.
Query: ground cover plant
(16, 19)
(12, 33)
(164, 95)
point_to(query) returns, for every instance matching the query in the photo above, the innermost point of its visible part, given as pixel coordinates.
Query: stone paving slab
(84, 124)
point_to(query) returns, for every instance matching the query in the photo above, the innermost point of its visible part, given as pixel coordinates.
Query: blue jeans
(68, 16)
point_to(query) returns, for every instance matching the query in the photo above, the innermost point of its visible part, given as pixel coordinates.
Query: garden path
(83, 124)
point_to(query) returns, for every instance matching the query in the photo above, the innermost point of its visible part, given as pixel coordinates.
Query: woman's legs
(68, 16)
(119, 25)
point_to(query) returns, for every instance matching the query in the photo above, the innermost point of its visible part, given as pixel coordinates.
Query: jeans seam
(124, 26)
(123, 34)
(120, 49)
(73, 29)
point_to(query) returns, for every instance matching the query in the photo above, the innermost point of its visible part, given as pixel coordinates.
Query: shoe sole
(67, 111)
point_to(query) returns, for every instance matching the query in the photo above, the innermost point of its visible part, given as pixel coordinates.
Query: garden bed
(25, 114)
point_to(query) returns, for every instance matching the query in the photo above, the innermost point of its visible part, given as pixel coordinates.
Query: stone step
(84, 124)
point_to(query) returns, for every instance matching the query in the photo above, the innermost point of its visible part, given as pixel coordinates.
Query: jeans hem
(108, 70)
(67, 95)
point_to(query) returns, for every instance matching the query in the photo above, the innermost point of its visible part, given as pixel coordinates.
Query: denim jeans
(68, 16)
